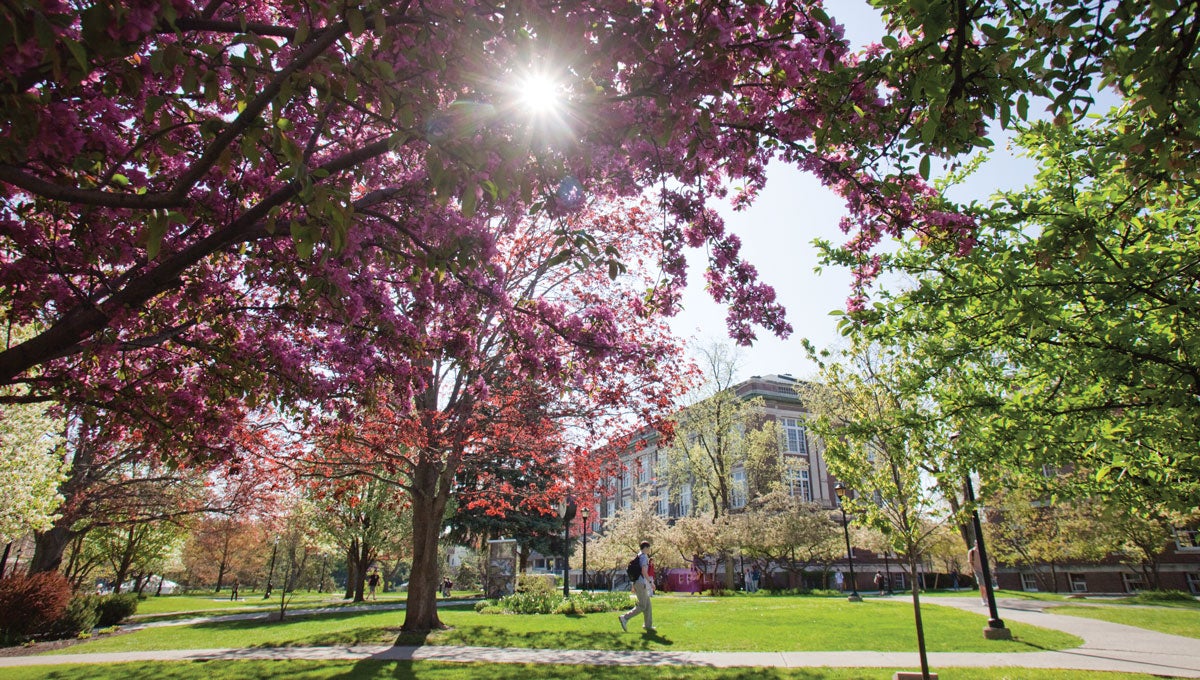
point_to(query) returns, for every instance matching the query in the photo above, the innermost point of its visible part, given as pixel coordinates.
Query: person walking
(880, 581)
(977, 568)
(373, 583)
(643, 587)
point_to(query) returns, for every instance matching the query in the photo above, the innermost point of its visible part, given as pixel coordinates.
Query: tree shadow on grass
(491, 636)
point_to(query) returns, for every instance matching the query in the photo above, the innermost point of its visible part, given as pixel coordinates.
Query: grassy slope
(699, 624)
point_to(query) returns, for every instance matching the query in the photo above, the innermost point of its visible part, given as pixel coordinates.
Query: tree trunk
(429, 497)
(49, 546)
(916, 598)
(4, 560)
(351, 569)
(362, 562)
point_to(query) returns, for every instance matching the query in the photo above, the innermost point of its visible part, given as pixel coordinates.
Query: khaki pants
(642, 590)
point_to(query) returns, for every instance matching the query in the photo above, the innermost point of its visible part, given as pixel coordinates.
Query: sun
(540, 94)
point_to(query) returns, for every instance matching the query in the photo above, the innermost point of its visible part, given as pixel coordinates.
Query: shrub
(77, 619)
(30, 604)
(1155, 596)
(537, 584)
(114, 609)
(553, 603)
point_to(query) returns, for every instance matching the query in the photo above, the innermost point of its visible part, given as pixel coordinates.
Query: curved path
(1107, 647)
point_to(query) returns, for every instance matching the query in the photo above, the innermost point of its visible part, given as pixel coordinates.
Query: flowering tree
(31, 467)
(156, 157)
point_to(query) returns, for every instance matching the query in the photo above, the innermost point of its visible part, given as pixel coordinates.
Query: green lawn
(408, 670)
(685, 624)
(1183, 621)
(178, 605)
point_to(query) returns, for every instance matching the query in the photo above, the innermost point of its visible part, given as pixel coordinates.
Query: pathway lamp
(585, 513)
(566, 510)
(995, 629)
(841, 494)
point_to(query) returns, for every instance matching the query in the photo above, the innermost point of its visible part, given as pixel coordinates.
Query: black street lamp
(887, 570)
(566, 509)
(271, 571)
(585, 514)
(995, 629)
(841, 492)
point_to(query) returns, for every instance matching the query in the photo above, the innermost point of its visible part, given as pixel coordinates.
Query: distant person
(977, 568)
(233, 590)
(372, 584)
(839, 580)
(755, 578)
(643, 587)
(447, 584)
(880, 581)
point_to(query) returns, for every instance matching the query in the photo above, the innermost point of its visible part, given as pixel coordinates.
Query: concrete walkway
(1107, 647)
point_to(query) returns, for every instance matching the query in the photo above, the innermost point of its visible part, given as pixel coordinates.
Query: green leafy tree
(1066, 339)
(876, 434)
(1042, 536)
(717, 435)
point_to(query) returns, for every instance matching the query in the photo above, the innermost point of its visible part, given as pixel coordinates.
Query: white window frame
(1131, 582)
(1187, 540)
(795, 436)
(1029, 582)
(643, 470)
(801, 481)
(1078, 583)
(664, 502)
(685, 500)
(1193, 582)
(737, 490)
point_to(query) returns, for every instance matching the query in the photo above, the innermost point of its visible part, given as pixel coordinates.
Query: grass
(426, 670)
(219, 603)
(1173, 620)
(685, 624)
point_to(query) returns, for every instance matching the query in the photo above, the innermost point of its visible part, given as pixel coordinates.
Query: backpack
(634, 569)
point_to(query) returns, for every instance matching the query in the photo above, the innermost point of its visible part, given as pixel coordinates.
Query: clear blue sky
(777, 234)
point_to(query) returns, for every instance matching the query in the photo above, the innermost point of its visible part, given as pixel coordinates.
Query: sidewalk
(1107, 647)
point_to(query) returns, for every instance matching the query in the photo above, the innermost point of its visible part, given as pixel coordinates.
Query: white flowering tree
(31, 468)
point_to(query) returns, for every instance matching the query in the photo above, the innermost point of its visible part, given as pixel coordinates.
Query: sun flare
(541, 94)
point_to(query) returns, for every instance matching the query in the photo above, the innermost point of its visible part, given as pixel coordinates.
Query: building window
(1029, 582)
(737, 494)
(626, 478)
(800, 487)
(643, 464)
(664, 502)
(1187, 539)
(612, 508)
(1078, 583)
(1131, 582)
(794, 435)
(1193, 581)
(685, 500)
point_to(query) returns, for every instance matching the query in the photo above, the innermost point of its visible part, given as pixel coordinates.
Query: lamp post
(995, 629)
(566, 508)
(585, 514)
(887, 572)
(271, 571)
(841, 494)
